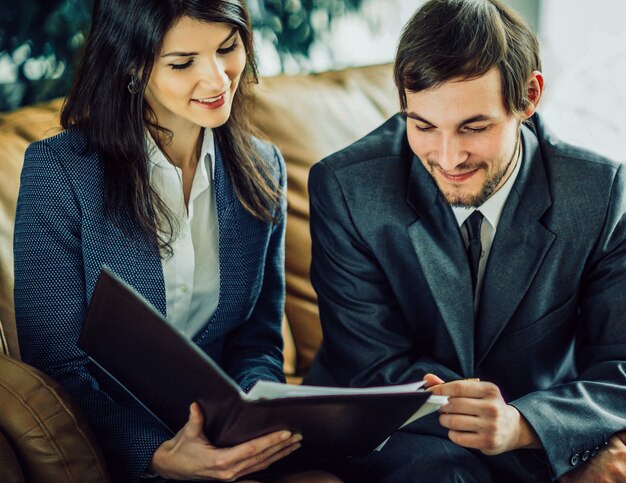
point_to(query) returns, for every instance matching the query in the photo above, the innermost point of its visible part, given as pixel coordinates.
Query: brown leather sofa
(43, 436)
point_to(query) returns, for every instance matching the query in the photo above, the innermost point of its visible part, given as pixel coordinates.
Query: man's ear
(535, 90)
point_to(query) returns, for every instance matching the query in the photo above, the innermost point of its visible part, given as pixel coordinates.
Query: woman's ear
(535, 90)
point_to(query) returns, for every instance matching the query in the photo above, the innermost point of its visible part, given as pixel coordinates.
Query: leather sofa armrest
(10, 469)
(44, 429)
(4, 346)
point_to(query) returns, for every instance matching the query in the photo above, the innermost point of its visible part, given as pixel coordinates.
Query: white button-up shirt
(191, 274)
(491, 210)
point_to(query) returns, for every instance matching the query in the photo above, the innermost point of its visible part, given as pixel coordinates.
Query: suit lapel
(230, 299)
(132, 257)
(518, 249)
(439, 248)
(145, 273)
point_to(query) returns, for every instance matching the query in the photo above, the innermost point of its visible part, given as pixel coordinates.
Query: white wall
(584, 52)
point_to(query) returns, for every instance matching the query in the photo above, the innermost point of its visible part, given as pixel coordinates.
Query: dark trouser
(415, 457)
(294, 463)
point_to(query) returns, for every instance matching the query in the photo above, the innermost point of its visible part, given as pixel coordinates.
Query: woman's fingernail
(285, 435)
(296, 438)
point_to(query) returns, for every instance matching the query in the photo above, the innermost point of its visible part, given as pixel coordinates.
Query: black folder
(132, 342)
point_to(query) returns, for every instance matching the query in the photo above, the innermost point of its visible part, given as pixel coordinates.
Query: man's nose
(450, 153)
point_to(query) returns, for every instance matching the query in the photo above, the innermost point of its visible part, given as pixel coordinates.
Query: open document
(275, 390)
(132, 343)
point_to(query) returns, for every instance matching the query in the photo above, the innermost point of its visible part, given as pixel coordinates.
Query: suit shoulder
(386, 141)
(563, 155)
(64, 141)
(67, 148)
(583, 184)
(559, 152)
(269, 154)
(264, 147)
(376, 167)
(45, 148)
(575, 170)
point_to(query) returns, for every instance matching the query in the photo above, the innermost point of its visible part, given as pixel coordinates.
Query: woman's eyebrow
(189, 54)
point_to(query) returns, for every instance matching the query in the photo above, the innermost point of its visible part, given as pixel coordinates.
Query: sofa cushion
(309, 117)
(45, 430)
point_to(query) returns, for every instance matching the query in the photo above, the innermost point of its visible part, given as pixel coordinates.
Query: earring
(133, 85)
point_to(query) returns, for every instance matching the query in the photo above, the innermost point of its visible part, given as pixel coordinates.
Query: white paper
(276, 390)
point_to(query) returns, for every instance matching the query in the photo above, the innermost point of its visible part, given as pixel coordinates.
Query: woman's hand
(190, 456)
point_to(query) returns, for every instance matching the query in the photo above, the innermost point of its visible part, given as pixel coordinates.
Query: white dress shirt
(491, 210)
(191, 274)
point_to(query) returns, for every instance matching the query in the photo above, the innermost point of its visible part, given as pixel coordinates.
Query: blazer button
(575, 459)
(595, 450)
(586, 455)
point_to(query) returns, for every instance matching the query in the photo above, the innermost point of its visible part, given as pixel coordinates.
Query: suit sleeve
(366, 339)
(51, 305)
(574, 419)
(254, 350)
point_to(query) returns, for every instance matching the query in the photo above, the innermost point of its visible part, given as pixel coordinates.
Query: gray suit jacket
(395, 294)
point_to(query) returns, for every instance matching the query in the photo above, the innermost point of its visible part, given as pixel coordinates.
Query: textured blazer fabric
(395, 293)
(63, 238)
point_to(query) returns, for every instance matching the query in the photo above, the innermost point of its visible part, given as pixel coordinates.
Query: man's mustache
(463, 167)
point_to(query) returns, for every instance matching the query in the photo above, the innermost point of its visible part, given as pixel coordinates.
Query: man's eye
(475, 129)
(181, 66)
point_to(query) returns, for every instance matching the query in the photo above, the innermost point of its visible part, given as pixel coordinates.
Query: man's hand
(190, 456)
(608, 466)
(478, 417)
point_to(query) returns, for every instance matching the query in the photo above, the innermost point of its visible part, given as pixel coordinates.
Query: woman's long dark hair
(126, 37)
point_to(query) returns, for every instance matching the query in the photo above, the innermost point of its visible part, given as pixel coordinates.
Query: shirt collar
(492, 208)
(157, 158)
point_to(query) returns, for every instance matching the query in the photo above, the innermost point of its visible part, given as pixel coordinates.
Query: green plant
(294, 25)
(40, 40)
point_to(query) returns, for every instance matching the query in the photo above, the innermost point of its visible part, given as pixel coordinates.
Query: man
(463, 244)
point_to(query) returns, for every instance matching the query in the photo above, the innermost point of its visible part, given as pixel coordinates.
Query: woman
(158, 177)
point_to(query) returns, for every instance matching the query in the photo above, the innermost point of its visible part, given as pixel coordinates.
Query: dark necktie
(474, 246)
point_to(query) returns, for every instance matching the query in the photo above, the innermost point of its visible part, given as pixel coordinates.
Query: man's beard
(489, 187)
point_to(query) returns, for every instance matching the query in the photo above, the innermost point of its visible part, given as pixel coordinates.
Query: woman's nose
(214, 76)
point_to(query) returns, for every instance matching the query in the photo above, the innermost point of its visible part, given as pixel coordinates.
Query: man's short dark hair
(464, 39)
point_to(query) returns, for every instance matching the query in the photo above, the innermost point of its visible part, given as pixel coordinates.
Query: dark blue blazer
(395, 293)
(63, 238)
